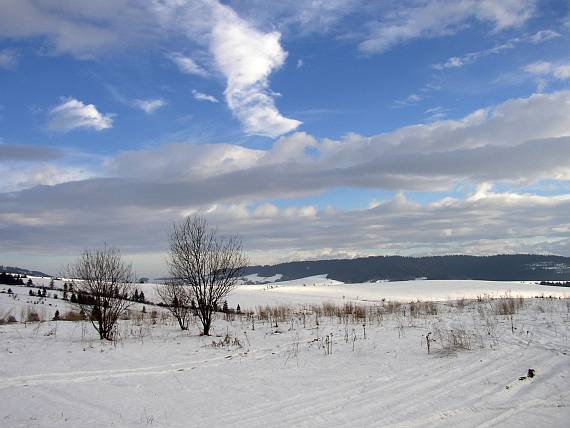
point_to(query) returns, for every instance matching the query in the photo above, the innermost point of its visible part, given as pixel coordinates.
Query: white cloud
(28, 176)
(246, 57)
(200, 96)
(461, 61)
(74, 114)
(543, 68)
(436, 18)
(8, 59)
(543, 36)
(410, 100)
(187, 65)
(149, 106)
(519, 142)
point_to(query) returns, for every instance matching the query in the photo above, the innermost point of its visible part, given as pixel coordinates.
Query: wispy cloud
(187, 65)
(559, 71)
(410, 100)
(149, 106)
(441, 18)
(463, 60)
(200, 96)
(8, 59)
(436, 113)
(73, 114)
(543, 36)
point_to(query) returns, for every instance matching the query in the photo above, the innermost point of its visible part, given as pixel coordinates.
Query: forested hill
(515, 267)
(21, 271)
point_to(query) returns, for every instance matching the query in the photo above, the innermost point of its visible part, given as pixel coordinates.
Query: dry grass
(32, 316)
(509, 305)
(72, 316)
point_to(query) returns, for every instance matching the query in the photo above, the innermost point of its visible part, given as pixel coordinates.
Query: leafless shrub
(330, 309)
(293, 350)
(227, 341)
(509, 305)
(423, 308)
(103, 281)
(391, 307)
(177, 299)
(453, 340)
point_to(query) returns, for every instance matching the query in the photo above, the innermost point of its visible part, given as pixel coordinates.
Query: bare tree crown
(207, 263)
(105, 280)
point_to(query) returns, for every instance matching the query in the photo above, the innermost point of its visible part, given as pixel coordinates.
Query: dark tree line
(556, 284)
(9, 279)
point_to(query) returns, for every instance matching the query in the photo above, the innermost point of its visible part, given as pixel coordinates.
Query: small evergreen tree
(238, 310)
(225, 307)
(141, 297)
(31, 293)
(30, 282)
(56, 316)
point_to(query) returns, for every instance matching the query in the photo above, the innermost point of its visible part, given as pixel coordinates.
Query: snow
(256, 279)
(60, 374)
(316, 289)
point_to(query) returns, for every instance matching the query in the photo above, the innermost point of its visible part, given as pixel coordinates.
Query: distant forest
(21, 271)
(515, 267)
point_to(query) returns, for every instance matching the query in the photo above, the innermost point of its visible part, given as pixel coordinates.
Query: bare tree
(177, 299)
(206, 263)
(103, 283)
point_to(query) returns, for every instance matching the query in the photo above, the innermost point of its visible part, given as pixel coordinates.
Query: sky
(312, 129)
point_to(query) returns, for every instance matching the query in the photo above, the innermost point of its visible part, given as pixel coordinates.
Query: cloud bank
(521, 142)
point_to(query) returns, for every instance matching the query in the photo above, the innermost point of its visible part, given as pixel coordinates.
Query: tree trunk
(206, 324)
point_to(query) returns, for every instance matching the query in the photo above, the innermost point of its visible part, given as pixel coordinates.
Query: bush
(32, 317)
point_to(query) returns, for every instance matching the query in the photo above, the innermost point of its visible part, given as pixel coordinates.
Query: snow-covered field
(300, 367)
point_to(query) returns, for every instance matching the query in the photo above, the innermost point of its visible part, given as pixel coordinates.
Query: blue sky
(321, 129)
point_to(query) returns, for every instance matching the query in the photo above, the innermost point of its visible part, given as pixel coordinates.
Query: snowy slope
(59, 374)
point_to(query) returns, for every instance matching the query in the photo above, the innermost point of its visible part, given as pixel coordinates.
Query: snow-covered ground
(317, 289)
(278, 372)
